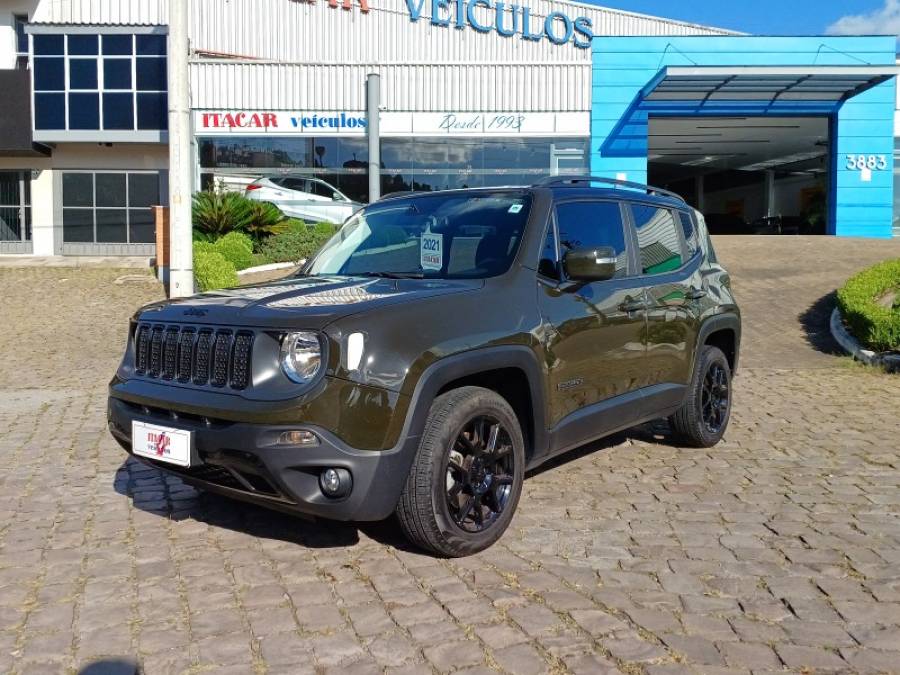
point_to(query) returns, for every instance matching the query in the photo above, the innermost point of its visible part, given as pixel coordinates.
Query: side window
(690, 233)
(298, 184)
(320, 189)
(658, 240)
(589, 224)
(549, 266)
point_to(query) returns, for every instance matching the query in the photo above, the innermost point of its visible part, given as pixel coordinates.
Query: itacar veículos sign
(507, 20)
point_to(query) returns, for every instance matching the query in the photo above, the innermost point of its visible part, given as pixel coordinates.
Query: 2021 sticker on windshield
(432, 251)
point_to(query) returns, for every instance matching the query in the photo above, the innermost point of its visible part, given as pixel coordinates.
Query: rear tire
(467, 476)
(703, 418)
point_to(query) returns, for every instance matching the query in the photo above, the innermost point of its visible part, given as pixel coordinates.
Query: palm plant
(216, 213)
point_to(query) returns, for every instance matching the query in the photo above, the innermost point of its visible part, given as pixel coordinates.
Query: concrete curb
(271, 267)
(890, 362)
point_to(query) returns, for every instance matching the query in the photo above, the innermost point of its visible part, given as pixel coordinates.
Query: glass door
(15, 211)
(566, 161)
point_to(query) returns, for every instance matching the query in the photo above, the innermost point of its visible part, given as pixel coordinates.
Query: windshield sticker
(516, 208)
(432, 251)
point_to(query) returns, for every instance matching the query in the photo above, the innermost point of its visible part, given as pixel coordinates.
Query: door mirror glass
(590, 264)
(336, 196)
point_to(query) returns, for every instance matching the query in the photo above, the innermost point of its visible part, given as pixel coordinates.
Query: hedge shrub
(212, 270)
(875, 325)
(237, 248)
(300, 242)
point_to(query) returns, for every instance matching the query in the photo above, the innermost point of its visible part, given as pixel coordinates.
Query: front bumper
(245, 461)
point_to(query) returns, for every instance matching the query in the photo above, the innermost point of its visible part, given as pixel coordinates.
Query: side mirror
(590, 264)
(336, 197)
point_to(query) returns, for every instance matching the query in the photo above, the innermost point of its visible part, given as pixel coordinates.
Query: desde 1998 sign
(507, 20)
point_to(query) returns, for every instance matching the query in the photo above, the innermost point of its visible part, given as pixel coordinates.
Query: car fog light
(335, 482)
(298, 437)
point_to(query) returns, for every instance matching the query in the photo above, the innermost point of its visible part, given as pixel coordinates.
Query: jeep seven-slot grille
(204, 356)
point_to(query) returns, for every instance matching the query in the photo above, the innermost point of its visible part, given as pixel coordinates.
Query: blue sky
(776, 17)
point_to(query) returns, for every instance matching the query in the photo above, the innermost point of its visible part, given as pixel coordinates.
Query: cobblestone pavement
(778, 550)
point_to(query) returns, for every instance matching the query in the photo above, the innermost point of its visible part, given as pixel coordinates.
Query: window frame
(679, 232)
(93, 208)
(632, 265)
(68, 131)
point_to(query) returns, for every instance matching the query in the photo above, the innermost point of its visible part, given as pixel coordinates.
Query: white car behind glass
(305, 198)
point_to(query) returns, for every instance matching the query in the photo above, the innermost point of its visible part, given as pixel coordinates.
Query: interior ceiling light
(781, 161)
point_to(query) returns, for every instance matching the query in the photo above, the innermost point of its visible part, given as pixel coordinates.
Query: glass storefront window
(410, 163)
(110, 206)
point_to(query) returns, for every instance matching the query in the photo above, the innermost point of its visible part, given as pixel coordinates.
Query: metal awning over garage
(764, 84)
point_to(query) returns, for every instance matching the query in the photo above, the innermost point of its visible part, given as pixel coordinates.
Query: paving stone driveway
(780, 549)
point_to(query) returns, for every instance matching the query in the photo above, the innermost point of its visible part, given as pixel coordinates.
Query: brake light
(253, 187)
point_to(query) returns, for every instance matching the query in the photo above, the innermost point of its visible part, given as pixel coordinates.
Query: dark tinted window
(82, 45)
(143, 189)
(690, 232)
(78, 189)
(111, 189)
(152, 111)
(592, 224)
(117, 73)
(320, 189)
(49, 74)
(658, 241)
(45, 45)
(84, 111)
(82, 73)
(151, 45)
(117, 44)
(49, 111)
(151, 74)
(118, 111)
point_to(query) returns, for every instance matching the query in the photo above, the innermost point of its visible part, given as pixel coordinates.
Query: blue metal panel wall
(623, 66)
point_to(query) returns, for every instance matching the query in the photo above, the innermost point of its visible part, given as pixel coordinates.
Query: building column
(46, 220)
(770, 194)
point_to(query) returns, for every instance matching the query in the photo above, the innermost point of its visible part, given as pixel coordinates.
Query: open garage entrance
(748, 175)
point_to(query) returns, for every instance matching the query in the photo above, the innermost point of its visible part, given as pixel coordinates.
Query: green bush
(212, 270)
(265, 220)
(874, 323)
(237, 248)
(205, 246)
(216, 213)
(300, 242)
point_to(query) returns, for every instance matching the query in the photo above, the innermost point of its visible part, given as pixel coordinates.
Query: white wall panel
(290, 30)
(100, 12)
(269, 86)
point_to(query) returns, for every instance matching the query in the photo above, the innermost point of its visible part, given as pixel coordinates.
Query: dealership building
(473, 93)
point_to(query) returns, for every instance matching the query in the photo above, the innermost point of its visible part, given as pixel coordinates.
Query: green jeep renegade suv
(438, 347)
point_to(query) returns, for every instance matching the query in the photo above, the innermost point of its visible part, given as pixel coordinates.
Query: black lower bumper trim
(245, 461)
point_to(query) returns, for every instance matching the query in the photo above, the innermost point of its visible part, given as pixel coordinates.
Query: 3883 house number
(864, 162)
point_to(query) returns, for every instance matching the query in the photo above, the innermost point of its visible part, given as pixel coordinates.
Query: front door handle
(696, 294)
(633, 306)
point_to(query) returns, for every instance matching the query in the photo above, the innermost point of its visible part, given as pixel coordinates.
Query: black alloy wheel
(480, 471)
(715, 397)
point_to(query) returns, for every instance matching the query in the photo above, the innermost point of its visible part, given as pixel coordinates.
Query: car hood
(300, 302)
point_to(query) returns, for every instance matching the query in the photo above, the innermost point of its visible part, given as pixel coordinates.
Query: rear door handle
(633, 306)
(696, 294)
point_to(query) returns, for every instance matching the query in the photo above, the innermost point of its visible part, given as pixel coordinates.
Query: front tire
(467, 476)
(703, 418)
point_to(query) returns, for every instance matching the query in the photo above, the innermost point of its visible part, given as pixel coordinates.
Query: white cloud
(884, 21)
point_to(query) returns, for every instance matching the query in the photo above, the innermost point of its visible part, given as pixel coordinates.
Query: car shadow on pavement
(816, 325)
(164, 495)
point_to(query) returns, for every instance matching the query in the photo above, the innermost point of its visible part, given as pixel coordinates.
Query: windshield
(437, 236)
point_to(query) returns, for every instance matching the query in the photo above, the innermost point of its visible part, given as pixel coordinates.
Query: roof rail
(649, 189)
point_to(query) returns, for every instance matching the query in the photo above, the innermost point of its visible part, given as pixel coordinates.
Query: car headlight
(301, 356)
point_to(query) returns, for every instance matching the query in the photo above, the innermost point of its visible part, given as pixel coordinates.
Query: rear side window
(592, 224)
(690, 233)
(658, 240)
